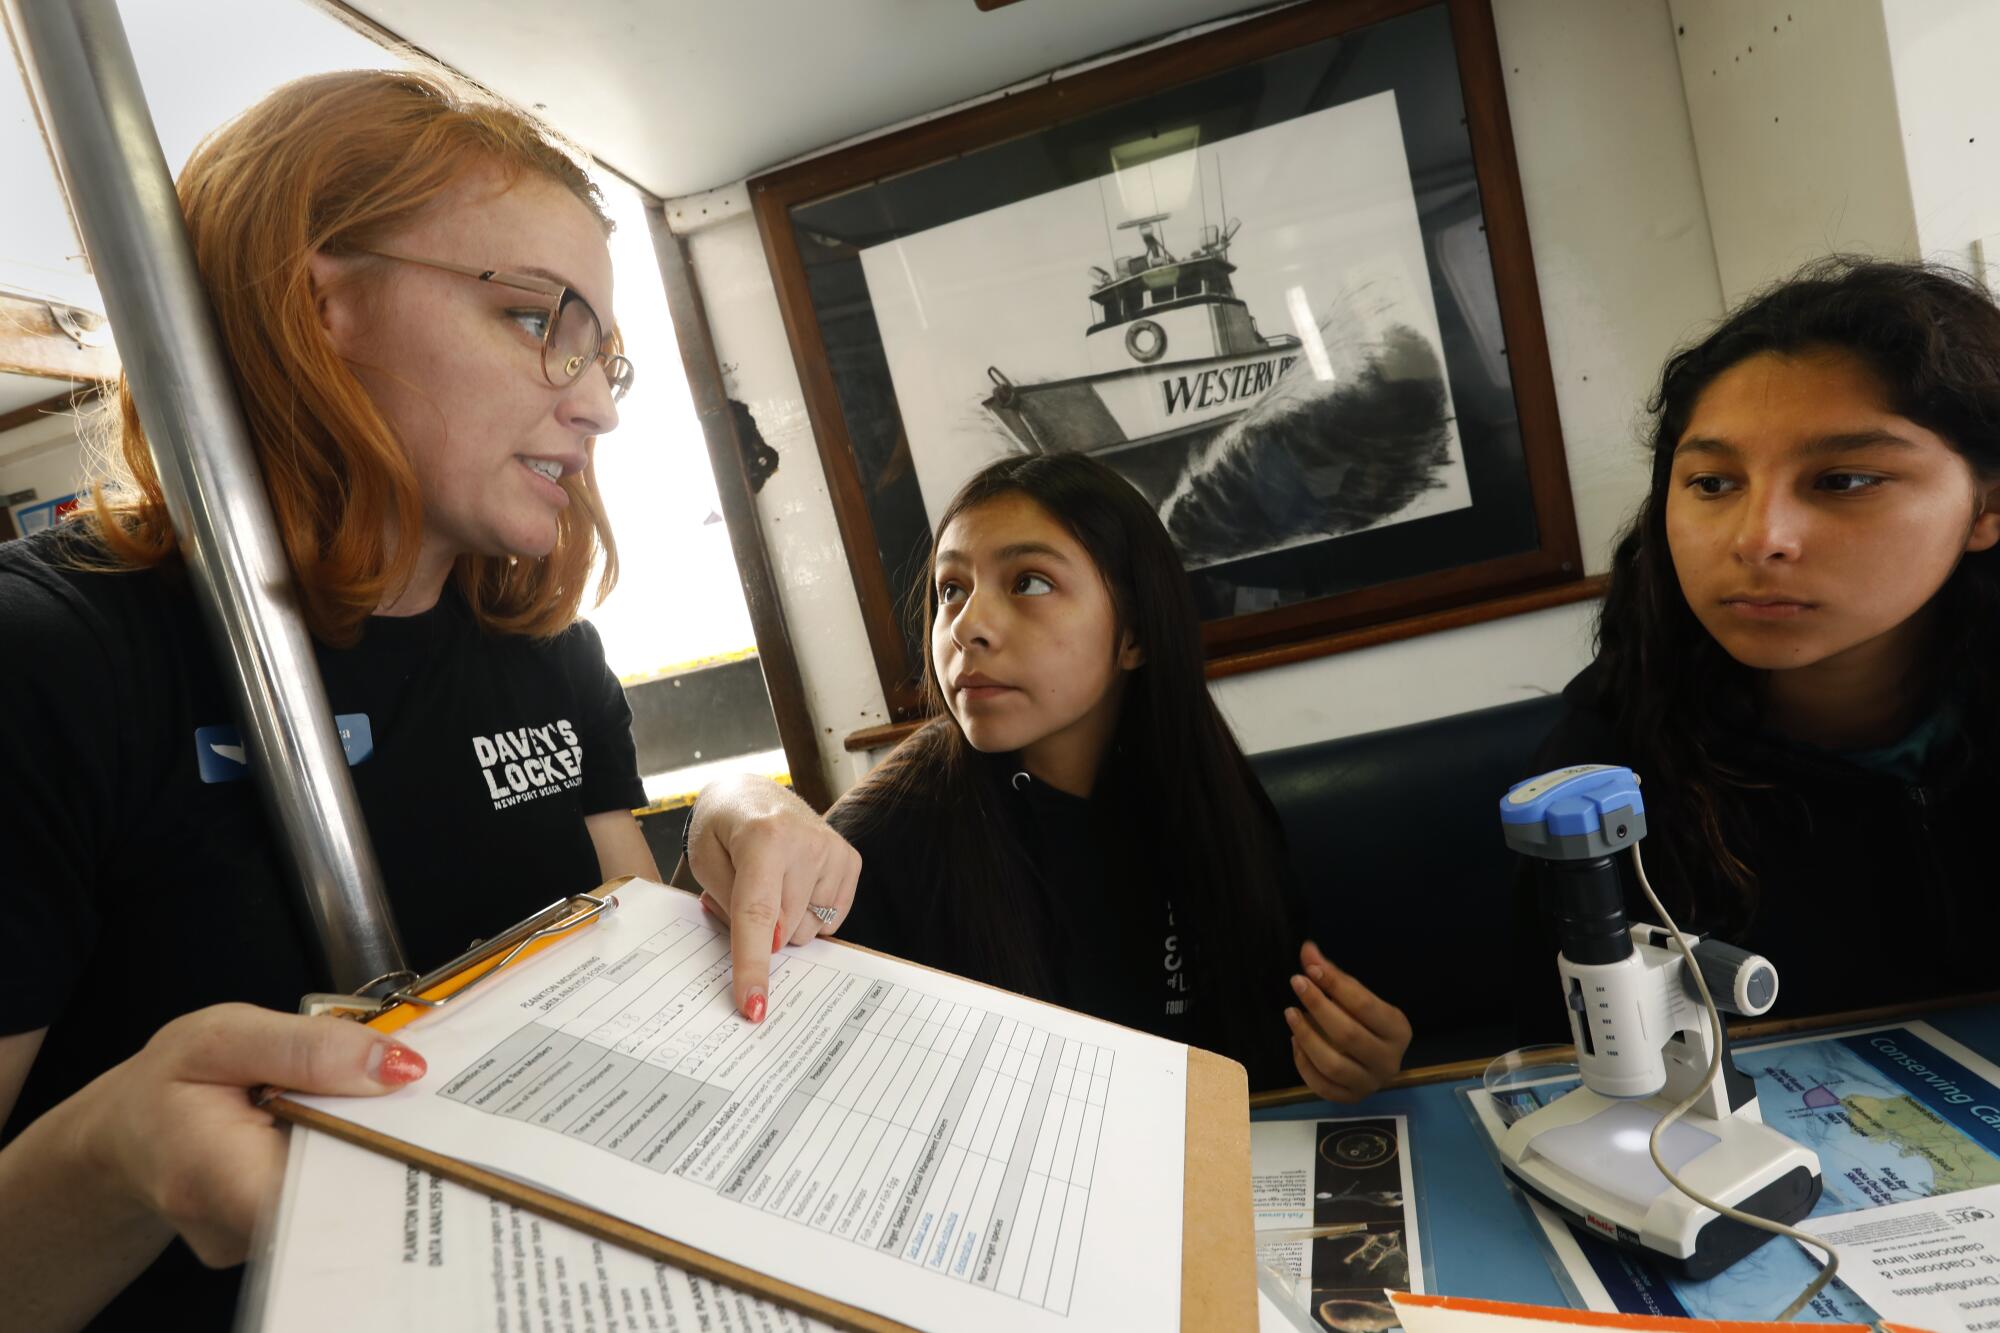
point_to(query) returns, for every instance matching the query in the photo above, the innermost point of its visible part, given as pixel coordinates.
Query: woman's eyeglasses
(573, 338)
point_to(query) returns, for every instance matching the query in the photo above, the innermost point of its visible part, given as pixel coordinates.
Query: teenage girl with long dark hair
(1796, 653)
(1076, 822)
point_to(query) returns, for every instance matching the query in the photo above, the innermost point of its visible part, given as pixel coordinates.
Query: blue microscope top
(1573, 802)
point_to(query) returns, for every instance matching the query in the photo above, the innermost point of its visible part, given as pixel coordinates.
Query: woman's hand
(763, 858)
(167, 1142)
(1346, 1040)
(175, 1125)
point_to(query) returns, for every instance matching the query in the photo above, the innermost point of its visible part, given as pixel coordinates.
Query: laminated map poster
(1895, 1113)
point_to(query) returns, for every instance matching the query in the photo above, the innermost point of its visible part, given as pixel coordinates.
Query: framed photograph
(1276, 275)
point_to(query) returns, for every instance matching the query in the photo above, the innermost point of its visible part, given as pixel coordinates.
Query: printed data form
(365, 1242)
(904, 1141)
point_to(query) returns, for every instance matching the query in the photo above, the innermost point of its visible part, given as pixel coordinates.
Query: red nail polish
(777, 937)
(396, 1064)
(753, 1008)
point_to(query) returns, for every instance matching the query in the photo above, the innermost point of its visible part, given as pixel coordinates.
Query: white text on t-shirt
(529, 762)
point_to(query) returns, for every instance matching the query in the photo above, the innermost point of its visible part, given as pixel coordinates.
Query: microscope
(1644, 1042)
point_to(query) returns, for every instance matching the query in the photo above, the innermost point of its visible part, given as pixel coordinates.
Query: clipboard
(1218, 1249)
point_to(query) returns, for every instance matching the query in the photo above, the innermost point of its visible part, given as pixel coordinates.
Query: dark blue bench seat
(1395, 836)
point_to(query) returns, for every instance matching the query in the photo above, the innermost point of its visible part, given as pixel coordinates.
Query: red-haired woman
(414, 289)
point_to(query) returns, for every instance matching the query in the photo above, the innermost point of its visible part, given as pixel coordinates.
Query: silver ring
(825, 914)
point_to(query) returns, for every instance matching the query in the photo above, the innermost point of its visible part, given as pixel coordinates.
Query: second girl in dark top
(1077, 823)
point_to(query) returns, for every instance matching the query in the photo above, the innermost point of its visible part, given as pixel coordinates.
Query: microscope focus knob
(1742, 982)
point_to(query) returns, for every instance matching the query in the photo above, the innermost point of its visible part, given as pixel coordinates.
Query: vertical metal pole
(80, 70)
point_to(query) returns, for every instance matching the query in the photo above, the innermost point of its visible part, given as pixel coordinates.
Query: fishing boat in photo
(1173, 354)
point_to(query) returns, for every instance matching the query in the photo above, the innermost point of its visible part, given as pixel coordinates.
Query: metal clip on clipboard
(441, 986)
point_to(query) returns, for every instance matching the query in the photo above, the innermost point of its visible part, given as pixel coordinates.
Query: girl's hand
(762, 857)
(174, 1125)
(1346, 1041)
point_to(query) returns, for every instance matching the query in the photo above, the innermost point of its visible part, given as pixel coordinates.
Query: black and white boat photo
(1174, 353)
(1245, 330)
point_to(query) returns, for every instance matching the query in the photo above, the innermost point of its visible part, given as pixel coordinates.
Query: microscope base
(1718, 1244)
(1586, 1156)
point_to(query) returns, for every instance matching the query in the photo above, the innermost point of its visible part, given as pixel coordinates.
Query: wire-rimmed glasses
(573, 338)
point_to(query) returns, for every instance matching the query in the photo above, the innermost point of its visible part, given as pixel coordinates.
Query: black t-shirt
(134, 888)
(1871, 889)
(1113, 947)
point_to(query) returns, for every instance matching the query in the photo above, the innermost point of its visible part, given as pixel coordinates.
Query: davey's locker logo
(529, 762)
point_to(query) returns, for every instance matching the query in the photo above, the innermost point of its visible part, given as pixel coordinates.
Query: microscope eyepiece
(1574, 822)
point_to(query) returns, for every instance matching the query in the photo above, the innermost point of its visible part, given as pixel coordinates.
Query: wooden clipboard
(1218, 1252)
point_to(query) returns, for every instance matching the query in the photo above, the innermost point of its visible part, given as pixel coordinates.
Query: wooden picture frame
(1364, 145)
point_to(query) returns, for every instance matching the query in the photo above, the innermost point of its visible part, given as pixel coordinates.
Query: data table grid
(952, 1138)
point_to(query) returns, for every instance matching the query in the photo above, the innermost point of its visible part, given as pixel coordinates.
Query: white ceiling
(687, 95)
(678, 96)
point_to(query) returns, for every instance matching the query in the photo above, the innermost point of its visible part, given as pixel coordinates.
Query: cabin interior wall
(1622, 253)
(1941, 54)
(794, 508)
(44, 456)
(1793, 108)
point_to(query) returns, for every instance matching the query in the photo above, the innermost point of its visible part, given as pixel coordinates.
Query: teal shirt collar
(1906, 760)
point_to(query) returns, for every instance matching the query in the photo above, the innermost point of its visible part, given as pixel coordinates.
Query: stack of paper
(908, 1143)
